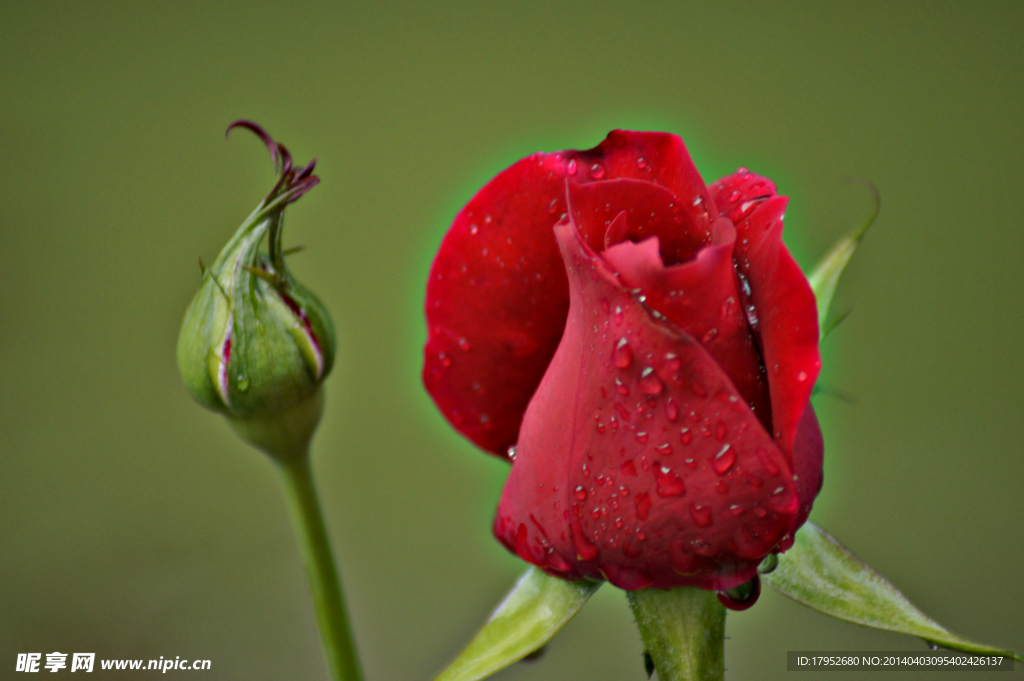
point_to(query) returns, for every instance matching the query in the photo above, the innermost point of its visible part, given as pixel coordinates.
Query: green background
(134, 524)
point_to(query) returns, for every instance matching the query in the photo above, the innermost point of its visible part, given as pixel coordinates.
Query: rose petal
(650, 210)
(497, 295)
(782, 302)
(651, 472)
(700, 297)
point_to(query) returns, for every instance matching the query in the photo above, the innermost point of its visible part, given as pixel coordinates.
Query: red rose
(643, 347)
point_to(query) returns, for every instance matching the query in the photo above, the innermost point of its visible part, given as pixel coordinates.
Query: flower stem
(324, 585)
(684, 632)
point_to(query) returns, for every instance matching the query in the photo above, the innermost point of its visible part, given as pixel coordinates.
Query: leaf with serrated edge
(822, 574)
(825, 276)
(536, 608)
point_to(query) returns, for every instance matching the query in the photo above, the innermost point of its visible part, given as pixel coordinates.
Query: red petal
(701, 299)
(650, 210)
(710, 508)
(808, 453)
(497, 294)
(783, 303)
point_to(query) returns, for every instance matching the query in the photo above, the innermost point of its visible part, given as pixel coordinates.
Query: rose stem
(328, 599)
(684, 632)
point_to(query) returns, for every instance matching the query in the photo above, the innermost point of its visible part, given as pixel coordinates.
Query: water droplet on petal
(802, 376)
(768, 565)
(242, 384)
(464, 345)
(642, 437)
(512, 453)
(701, 514)
(720, 431)
(724, 460)
(618, 315)
(571, 168)
(650, 384)
(641, 163)
(621, 387)
(668, 483)
(581, 493)
(597, 171)
(664, 449)
(671, 410)
(444, 359)
(585, 549)
(685, 436)
(743, 596)
(622, 356)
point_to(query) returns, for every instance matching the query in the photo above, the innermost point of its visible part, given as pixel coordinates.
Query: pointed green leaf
(532, 612)
(822, 574)
(825, 277)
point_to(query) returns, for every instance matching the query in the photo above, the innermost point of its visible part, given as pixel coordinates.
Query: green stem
(328, 599)
(684, 632)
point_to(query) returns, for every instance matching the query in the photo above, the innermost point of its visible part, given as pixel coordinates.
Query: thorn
(536, 655)
(648, 664)
(293, 249)
(202, 268)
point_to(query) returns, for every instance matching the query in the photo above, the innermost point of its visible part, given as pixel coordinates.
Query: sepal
(822, 574)
(536, 608)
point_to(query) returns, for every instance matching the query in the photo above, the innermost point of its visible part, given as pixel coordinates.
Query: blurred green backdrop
(134, 524)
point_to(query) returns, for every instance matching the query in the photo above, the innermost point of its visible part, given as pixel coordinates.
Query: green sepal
(825, 276)
(822, 574)
(536, 608)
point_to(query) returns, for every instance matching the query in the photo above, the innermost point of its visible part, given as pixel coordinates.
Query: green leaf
(822, 574)
(825, 277)
(536, 608)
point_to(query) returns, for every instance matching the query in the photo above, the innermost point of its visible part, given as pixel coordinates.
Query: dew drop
(710, 335)
(802, 376)
(598, 425)
(512, 453)
(595, 514)
(742, 597)
(664, 449)
(580, 493)
(728, 306)
(650, 384)
(724, 460)
(720, 431)
(444, 359)
(642, 437)
(685, 436)
(641, 163)
(621, 388)
(618, 315)
(622, 356)
(464, 345)
(668, 483)
(734, 195)
(571, 168)
(701, 514)
(671, 411)
(585, 549)
(768, 565)
(597, 171)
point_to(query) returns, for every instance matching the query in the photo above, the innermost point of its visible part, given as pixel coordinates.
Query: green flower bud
(256, 344)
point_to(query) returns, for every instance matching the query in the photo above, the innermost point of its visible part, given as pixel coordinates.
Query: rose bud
(256, 344)
(642, 347)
